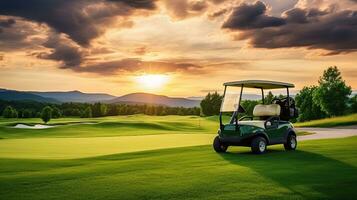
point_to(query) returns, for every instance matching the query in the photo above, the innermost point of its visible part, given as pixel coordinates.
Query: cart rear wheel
(291, 143)
(218, 146)
(259, 145)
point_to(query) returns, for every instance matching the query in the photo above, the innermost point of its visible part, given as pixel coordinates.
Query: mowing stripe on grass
(68, 148)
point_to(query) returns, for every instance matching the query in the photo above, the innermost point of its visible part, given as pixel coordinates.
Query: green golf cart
(268, 125)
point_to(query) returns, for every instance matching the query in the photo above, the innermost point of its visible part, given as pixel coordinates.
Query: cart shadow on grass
(302, 171)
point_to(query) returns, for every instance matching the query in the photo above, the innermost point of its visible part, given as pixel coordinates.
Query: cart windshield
(231, 99)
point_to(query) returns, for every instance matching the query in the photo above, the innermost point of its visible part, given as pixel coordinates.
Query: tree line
(31, 109)
(331, 97)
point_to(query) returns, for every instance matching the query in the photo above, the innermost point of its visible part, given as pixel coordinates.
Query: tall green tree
(99, 110)
(46, 114)
(9, 112)
(332, 93)
(308, 108)
(268, 98)
(56, 113)
(27, 113)
(211, 104)
(353, 104)
(87, 113)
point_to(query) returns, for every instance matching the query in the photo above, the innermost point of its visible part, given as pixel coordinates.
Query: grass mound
(330, 122)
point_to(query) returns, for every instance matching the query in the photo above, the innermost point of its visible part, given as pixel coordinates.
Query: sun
(152, 81)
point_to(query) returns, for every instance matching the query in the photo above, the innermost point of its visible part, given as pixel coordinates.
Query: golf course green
(168, 157)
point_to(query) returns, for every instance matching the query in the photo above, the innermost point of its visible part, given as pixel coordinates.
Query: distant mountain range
(146, 98)
(133, 98)
(12, 95)
(77, 96)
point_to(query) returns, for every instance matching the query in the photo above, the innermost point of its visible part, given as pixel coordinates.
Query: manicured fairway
(111, 126)
(325, 169)
(65, 148)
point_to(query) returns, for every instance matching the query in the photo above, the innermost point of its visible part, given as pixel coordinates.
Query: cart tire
(291, 143)
(259, 145)
(218, 146)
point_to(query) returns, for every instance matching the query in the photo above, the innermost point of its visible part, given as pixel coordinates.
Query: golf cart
(269, 124)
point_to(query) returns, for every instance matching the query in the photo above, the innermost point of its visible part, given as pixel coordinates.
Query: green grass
(330, 122)
(111, 126)
(92, 161)
(325, 169)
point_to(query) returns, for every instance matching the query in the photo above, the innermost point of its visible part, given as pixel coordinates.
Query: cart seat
(266, 110)
(257, 123)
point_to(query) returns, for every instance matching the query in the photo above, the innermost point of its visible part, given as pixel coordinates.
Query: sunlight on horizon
(152, 81)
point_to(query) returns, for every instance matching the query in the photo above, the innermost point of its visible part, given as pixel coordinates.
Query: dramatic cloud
(331, 30)
(62, 50)
(6, 23)
(181, 9)
(251, 16)
(217, 13)
(137, 65)
(81, 20)
(17, 34)
(63, 28)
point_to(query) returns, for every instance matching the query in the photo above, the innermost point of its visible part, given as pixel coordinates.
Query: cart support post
(220, 113)
(287, 89)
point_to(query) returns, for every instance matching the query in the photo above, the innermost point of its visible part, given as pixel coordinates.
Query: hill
(146, 98)
(75, 96)
(12, 95)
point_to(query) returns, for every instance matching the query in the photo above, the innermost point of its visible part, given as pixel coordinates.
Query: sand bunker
(41, 126)
(37, 126)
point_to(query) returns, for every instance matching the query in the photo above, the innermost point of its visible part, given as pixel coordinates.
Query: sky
(180, 48)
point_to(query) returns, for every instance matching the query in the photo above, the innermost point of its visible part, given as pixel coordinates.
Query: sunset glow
(152, 81)
(200, 43)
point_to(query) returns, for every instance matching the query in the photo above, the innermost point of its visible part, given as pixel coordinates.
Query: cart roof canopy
(264, 84)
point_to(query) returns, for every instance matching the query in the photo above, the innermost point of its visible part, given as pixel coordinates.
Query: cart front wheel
(291, 143)
(259, 145)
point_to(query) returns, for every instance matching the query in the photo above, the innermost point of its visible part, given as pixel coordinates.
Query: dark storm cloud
(62, 50)
(81, 20)
(334, 31)
(136, 65)
(145, 4)
(6, 23)
(250, 17)
(18, 34)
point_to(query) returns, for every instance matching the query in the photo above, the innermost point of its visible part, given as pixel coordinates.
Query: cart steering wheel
(241, 109)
